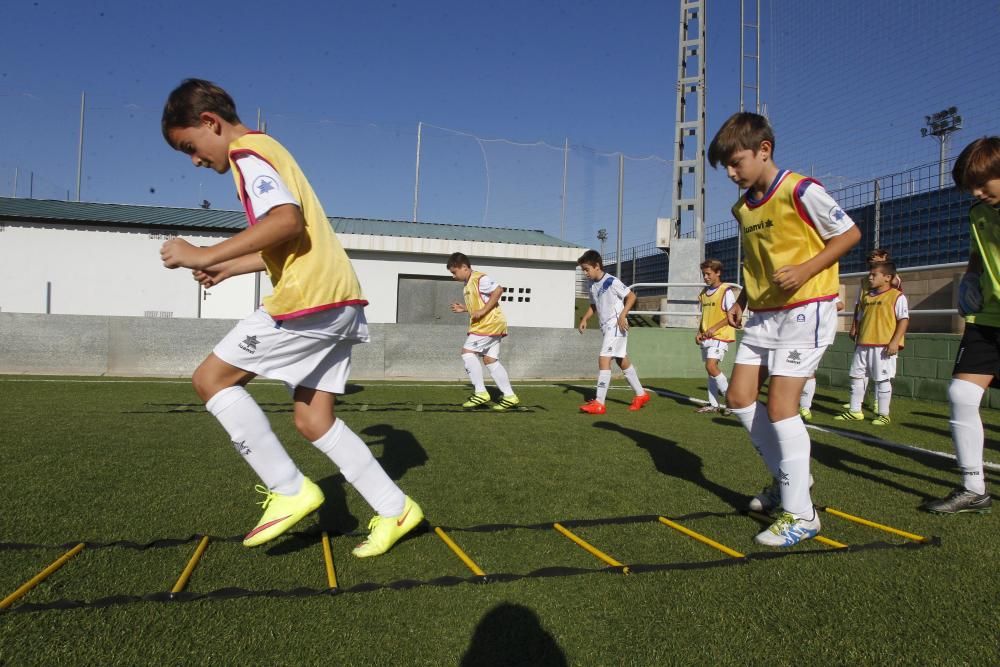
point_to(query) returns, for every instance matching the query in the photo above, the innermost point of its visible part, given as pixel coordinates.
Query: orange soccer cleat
(593, 407)
(639, 401)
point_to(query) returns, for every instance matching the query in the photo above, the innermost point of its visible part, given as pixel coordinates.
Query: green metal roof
(129, 215)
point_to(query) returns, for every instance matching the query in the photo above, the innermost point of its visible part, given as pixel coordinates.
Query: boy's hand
(457, 307)
(891, 350)
(734, 316)
(177, 252)
(209, 277)
(854, 331)
(623, 322)
(791, 277)
(970, 298)
(583, 325)
(478, 314)
(699, 337)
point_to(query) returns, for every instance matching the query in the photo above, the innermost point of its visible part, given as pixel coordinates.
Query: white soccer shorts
(713, 349)
(615, 343)
(870, 360)
(312, 351)
(787, 362)
(487, 346)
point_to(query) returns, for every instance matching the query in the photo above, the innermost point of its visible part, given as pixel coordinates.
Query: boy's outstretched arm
(794, 276)
(586, 316)
(282, 223)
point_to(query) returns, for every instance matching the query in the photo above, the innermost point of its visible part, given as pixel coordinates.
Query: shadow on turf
(512, 634)
(867, 468)
(401, 452)
(673, 460)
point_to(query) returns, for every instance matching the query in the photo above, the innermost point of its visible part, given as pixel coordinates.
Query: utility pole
(416, 177)
(79, 154)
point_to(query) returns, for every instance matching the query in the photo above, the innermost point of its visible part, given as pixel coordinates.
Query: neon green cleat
(283, 512)
(477, 399)
(850, 416)
(507, 402)
(881, 420)
(386, 530)
(806, 414)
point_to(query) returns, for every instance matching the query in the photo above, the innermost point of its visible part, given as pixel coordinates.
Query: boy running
(714, 333)
(611, 299)
(977, 170)
(793, 234)
(304, 332)
(487, 327)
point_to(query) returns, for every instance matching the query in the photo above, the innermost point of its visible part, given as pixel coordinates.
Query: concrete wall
(124, 346)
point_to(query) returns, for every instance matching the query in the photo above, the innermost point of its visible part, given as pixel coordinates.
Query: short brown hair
(977, 163)
(457, 259)
(192, 98)
(740, 132)
(888, 268)
(878, 252)
(591, 257)
(714, 264)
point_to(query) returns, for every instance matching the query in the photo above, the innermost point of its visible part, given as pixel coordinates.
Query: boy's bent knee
(313, 426)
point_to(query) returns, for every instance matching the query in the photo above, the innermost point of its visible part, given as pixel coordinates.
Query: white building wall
(550, 304)
(117, 271)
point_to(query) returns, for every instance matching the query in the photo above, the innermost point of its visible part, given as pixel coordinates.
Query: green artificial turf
(140, 463)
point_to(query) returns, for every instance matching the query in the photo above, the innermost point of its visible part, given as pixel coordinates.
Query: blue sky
(344, 84)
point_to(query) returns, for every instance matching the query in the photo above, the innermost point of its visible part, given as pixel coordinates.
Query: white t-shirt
(607, 295)
(486, 287)
(264, 186)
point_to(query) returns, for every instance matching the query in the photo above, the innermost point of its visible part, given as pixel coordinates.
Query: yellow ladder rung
(591, 549)
(701, 538)
(41, 576)
(469, 563)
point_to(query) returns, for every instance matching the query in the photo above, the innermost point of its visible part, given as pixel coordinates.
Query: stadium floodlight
(942, 125)
(602, 236)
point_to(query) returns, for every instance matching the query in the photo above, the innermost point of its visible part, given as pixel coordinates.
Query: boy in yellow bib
(884, 317)
(303, 333)
(793, 234)
(487, 327)
(714, 333)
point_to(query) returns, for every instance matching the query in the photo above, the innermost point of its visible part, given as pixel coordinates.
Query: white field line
(853, 435)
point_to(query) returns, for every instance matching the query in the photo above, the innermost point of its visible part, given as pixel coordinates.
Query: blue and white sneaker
(789, 530)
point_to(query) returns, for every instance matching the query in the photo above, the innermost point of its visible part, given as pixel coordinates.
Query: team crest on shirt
(262, 185)
(800, 318)
(249, 344)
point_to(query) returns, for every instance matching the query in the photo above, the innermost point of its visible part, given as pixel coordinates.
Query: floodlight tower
(686, 236)
(602, 236)
(942, 125)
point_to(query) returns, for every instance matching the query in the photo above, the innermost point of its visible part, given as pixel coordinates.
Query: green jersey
(985, 241)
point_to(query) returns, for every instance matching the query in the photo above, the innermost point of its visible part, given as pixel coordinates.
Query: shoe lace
(784, 522)
(269, 495)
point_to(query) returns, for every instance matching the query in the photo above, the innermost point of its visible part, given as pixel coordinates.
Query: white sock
(864, 388)
(500, 376)
(475, 371)
(857, 393)
(793, 442)
(762, 435)
(713, 391)
(722, 383)
(633, 380)
(808, 392)
(252, 437)
(603, 382)
(361, 469)
(964, 398)
(883, 389)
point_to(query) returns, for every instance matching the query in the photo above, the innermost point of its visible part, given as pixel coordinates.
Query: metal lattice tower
(753, 56)
(689, 126)
(687, 248)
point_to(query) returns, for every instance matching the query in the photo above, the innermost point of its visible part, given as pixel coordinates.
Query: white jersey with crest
(607, 295)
